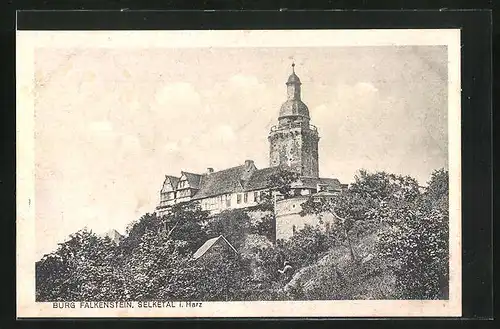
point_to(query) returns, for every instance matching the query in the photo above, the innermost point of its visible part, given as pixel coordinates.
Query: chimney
(210, 170)
(248, 163)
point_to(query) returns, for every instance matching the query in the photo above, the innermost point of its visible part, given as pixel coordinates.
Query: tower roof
(294, 106)
(293, 78)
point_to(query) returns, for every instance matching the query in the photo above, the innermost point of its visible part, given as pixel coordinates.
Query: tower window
(245, 197)
(294, 229)
(238, 198)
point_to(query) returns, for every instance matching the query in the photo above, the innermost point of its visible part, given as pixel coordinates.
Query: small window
(256, 196)
(294, 229)
(228, 200)
(238, 198)
(245, 197)
(327, 226)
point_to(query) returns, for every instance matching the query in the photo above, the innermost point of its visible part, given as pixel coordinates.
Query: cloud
(178, 93)
(172, 146)
(245, 81)
(365, 88)
(100, 126)
(225, 133)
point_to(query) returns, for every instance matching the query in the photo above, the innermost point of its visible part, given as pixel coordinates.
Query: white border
(27, 41)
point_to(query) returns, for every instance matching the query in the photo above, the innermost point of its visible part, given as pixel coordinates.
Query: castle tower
(294, 141)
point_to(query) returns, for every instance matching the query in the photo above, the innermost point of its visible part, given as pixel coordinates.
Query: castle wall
(288, 219)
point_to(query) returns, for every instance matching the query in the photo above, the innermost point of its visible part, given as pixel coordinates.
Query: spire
(293, 78)
(293, 106)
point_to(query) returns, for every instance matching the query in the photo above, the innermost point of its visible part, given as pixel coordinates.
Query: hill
(336, 276)
(390, 241)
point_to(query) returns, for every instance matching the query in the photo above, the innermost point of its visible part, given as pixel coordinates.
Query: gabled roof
(193, 179)
(209, 243)
(114, 235)
(221, 182)
(173, 181)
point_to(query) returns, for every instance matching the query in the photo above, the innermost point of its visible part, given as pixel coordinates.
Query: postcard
(244, 173)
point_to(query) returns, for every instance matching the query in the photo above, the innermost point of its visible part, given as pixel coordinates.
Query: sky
(111, 123)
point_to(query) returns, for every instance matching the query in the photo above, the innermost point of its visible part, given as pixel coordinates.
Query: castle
(293, 143)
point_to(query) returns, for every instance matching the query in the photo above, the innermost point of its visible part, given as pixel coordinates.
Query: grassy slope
(336, 276)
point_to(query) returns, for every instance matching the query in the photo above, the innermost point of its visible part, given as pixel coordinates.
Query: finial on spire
(293, 67)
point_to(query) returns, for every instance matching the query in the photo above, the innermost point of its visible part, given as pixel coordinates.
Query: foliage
(306, 246)
(234, 225)
(266, 227)
(360, 209)
(135, 230)
(77, 269)
(154, 261)
(417, 243)
(185, 223)
(412, 226)
(282, 182)
(279, 183)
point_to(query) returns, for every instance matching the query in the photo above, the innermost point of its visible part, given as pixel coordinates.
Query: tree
(282, 182)
(234, 225)
(151, 270)
(136, 229)
(361, 208)
(330, 205)
(306, 246)
(185, 223)
(80, 269)
(416, 241)
(266, 227)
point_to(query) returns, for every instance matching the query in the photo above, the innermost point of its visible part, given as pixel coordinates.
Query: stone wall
(289, 220)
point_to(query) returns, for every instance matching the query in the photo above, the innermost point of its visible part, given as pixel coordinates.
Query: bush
(306, 246)
(155, 260)
(416, 242)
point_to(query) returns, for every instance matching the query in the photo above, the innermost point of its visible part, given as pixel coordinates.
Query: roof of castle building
(193, 179)
(260, 178)
(173, 180)
(245, 178)
(209, 244)
(312, 182)
(221, 182)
